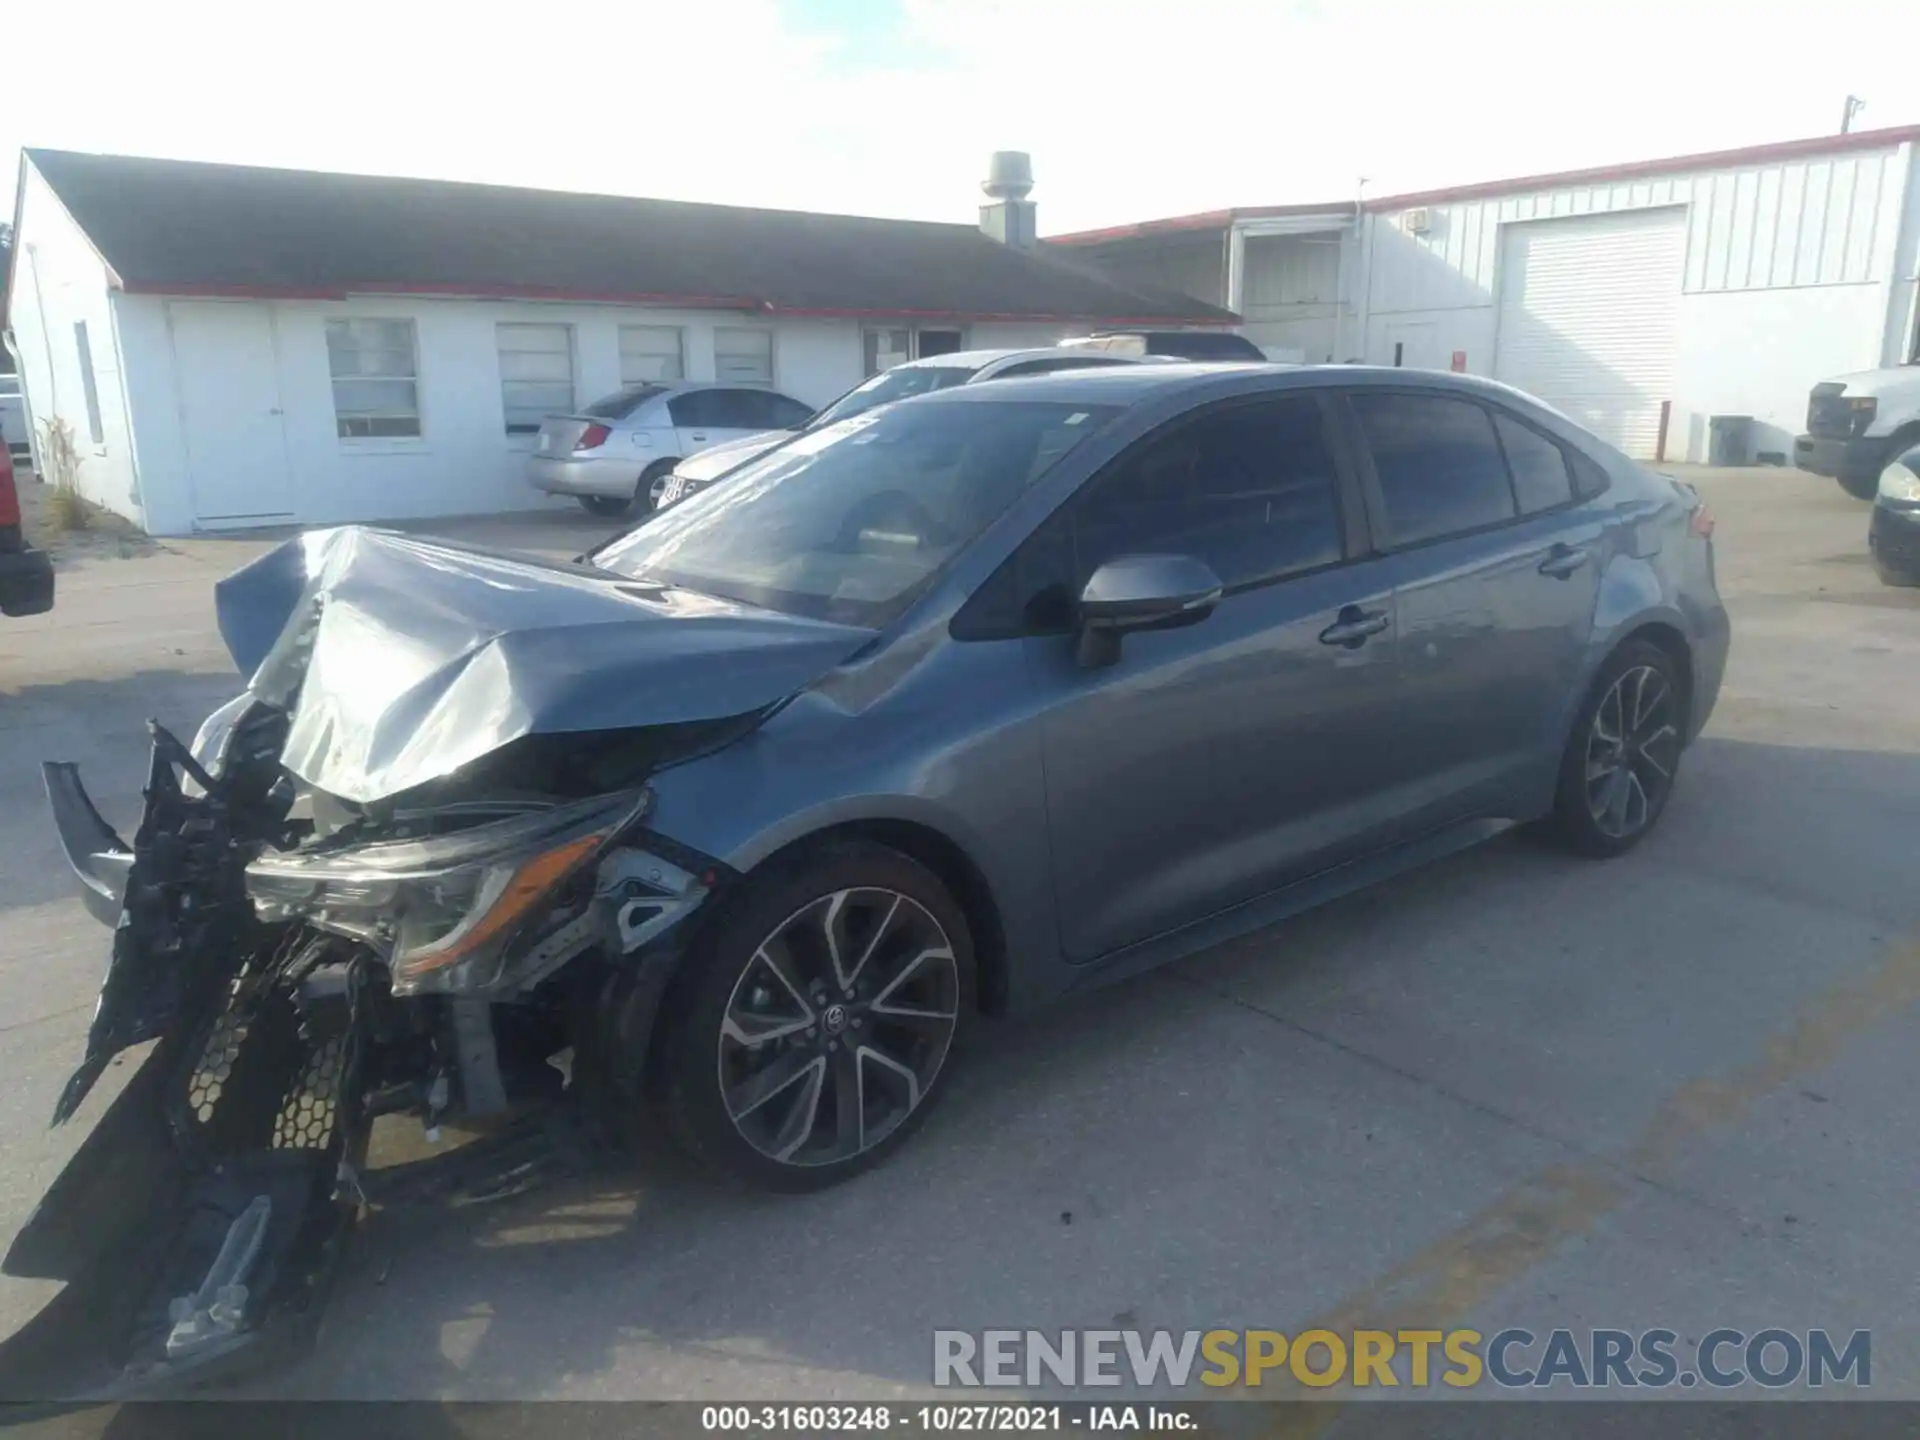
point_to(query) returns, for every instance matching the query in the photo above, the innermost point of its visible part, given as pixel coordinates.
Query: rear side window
(1251, 489)
(1589, 479)
(1440, 467)
(1541, 479)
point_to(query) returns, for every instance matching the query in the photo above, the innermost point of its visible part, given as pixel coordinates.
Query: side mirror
(1142, 592)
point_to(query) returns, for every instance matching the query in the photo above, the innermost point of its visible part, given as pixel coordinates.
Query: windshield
(852, 522)
(891, 385)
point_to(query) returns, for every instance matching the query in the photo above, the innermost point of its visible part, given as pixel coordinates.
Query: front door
(228, 372)
(1213, 763)
(1496, 575)
(713, 417)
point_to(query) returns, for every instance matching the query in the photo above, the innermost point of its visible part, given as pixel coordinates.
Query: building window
(885, 348)
(651, 352)
(80, 343)
(376, 393)
(743, 357)
(536, 374)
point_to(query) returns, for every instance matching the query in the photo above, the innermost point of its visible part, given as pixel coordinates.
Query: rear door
(1215, 762)
(1495, 567)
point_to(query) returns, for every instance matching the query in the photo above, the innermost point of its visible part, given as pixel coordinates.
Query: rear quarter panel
(1657, 574)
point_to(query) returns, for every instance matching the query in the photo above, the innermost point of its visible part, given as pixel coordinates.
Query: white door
(1589, 318)
(223, 355)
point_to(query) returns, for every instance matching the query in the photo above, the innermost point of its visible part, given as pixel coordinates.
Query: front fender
(814, 767)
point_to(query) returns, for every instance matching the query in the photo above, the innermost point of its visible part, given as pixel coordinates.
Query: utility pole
(1854, 106)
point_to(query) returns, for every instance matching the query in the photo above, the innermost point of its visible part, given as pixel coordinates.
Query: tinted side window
(740, 410)
(695, 408)
(783, 412)
(1252, 490)
(1588, 478)
(1538, 466)
(1440, 468)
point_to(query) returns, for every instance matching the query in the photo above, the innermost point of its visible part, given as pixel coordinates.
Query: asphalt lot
(1516, 1089)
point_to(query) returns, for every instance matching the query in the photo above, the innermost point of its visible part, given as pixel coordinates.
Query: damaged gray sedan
(950, 708)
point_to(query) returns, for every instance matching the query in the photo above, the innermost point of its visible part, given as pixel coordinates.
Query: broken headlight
(457, 912)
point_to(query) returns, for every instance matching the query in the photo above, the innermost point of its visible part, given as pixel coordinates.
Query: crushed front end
(303, 967)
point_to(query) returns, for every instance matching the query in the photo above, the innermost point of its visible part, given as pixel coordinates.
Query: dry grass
(64, 511)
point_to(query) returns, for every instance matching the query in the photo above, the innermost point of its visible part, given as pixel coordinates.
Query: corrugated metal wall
(1290, 295)
(1821, 221)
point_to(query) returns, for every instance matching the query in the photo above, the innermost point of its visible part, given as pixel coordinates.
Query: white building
(235, 347)
(1642, 300)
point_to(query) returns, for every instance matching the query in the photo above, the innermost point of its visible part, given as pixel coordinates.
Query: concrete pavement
(1515, 1089)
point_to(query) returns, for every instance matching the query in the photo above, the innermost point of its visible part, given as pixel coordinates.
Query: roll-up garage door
(1589, 318)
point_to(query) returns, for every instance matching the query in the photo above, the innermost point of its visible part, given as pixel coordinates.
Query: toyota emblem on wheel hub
(834, 1019)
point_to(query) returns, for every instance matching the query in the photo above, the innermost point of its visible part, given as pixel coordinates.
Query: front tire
(814, 1028)
(1619, 767)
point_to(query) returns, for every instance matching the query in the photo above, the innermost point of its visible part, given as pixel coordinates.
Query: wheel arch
(924, 843)
(1670, 638)
(950, 863)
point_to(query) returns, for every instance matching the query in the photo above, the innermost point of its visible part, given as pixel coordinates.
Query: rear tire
(647, 497)
(604, 507)
(812, 1030)
(1624, 754)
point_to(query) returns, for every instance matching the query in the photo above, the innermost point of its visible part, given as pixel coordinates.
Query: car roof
(1129, 384)
(980, 359)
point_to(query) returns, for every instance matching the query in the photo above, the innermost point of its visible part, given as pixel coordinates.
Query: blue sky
(1130, 108)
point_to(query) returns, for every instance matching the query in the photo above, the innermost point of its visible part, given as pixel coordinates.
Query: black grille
(1829, 416)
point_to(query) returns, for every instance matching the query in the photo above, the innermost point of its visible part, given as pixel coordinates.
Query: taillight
(1701, 522)
(9, 496)
(591, 438)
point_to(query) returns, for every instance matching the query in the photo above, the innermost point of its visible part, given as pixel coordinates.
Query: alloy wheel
(1633, 746)
(838, 1026)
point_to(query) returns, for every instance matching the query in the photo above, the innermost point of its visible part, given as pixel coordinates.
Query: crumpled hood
(406, 657)
(1890, 383)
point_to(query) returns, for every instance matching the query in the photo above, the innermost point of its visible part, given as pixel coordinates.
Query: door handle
(699, 435)
(1354, 627)
(1563, 559)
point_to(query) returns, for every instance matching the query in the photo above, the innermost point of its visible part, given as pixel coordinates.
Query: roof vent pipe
(1011, 218)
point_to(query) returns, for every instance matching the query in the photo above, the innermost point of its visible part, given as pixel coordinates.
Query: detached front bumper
(1857, 458)
(100, 859)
